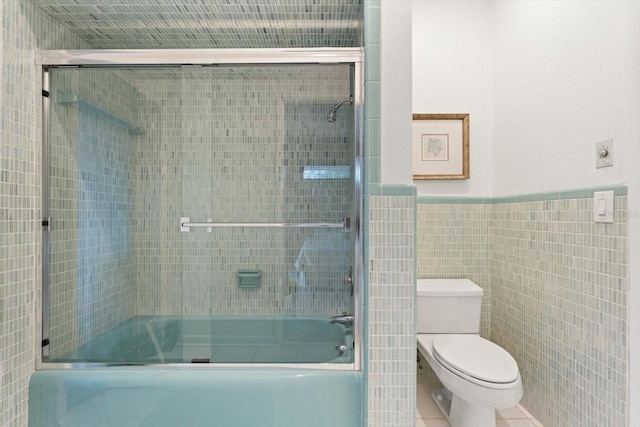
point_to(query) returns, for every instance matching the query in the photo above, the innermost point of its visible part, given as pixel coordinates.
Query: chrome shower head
(331, 117)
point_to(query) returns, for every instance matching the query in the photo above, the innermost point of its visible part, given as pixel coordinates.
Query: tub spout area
(344, 319)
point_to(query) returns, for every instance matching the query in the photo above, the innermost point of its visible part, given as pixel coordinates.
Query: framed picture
(440, 146)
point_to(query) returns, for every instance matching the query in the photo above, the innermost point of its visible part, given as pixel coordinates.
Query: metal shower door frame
(46, 59)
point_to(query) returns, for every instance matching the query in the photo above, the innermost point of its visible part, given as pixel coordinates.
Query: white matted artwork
(440, 146)
(435, 148)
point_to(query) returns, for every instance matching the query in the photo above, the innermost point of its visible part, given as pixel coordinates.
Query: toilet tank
(448, 306)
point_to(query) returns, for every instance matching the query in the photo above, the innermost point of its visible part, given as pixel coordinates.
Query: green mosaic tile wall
(23, 30)
(231, 144)
(558, 286)
(391, 380)
(453, 241)
(560, 307)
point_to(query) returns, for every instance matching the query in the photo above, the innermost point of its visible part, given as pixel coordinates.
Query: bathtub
(146, 396)
(196, 371)
(256, 340)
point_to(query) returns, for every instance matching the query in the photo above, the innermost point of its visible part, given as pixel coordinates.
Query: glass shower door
(200, 214)
(262, 164)
(90, 264)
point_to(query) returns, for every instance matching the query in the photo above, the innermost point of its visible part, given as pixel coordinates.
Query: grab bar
(186, 225)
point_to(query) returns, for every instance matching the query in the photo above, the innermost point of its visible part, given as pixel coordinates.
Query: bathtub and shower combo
(202, 238)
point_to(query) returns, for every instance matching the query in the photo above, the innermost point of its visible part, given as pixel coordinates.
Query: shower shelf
(186, 225)
(68, 99)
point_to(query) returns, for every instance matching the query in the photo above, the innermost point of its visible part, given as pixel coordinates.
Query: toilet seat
(476, 359)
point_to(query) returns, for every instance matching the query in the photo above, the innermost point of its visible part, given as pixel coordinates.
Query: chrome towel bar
(186, 225)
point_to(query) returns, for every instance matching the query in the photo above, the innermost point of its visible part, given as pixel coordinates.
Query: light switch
(603, 206)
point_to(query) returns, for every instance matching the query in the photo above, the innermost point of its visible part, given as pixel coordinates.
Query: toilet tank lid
(448, 287)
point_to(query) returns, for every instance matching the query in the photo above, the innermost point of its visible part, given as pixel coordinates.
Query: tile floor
(428, 414)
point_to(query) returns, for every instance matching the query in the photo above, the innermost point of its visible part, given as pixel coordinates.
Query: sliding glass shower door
(195, 211)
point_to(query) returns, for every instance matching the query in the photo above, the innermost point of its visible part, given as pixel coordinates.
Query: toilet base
(460, 413)
(442, 397)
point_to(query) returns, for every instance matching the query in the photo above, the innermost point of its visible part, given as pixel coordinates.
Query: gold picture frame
(440, 146)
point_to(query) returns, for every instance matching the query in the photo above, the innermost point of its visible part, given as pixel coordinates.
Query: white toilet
(477, 375)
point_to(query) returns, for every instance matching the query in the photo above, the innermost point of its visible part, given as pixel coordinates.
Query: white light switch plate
(603, 206)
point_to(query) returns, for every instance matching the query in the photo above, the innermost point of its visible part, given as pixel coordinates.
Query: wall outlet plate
(604, 153)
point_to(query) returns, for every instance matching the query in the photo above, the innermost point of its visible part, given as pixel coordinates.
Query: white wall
(558, 89)
(543, 82)
(396, 92)
(450, 60)
(452, 69)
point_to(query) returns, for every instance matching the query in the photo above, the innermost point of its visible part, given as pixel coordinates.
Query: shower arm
(342, 101)
(331, 117)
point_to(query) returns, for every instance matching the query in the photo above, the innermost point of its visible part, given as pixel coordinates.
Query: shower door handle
(348, 279)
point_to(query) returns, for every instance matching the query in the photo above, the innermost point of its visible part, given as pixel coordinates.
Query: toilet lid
(475, 357)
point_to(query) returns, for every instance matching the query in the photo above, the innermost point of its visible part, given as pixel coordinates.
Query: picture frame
(440, 144)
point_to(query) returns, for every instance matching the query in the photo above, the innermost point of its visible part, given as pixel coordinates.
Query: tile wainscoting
(557, 287)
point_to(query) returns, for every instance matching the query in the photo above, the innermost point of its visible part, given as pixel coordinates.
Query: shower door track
(46, 59)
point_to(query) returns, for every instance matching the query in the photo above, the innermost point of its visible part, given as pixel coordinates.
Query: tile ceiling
(167, 24)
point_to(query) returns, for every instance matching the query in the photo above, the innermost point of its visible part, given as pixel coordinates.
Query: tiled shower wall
(228, 144)
(23, 30)
(558, 294)
(231, 145)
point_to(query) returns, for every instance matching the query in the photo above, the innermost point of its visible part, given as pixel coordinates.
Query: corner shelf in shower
(68, 99)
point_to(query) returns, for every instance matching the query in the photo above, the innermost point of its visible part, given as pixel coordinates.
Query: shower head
(331, 117)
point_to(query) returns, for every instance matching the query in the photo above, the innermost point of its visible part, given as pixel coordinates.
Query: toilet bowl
(477, 375)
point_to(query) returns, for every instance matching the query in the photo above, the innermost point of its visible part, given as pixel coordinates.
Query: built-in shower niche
(221, 145)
